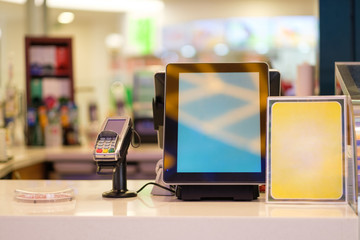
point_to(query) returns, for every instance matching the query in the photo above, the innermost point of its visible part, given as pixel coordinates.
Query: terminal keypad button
(106, 145)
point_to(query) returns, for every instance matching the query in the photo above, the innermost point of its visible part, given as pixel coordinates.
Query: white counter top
(89, 216)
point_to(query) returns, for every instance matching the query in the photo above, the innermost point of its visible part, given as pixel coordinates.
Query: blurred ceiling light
(66, 17)
(108, 5)
(221, 49)
(0, 33)
(15, 1)
(38, 2)
(188, 51)
(114, 41)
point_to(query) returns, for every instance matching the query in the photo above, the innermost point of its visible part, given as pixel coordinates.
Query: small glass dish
(44, 196)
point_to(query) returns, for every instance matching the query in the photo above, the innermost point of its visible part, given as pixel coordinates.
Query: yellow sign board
(306, 148)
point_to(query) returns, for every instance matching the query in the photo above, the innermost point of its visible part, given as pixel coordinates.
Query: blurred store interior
(117, 46)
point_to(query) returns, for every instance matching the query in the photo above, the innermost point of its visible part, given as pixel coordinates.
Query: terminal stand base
(119, 194)
(217, 192)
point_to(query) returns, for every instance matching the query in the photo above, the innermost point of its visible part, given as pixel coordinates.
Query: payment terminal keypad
(106, 145)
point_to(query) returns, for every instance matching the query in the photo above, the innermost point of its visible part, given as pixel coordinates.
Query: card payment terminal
(110, 152)
(113, 140)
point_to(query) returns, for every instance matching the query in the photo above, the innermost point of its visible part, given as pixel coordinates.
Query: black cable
(138, 136)
(156, 184)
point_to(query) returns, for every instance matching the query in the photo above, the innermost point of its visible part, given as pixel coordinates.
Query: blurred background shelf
(74, 162)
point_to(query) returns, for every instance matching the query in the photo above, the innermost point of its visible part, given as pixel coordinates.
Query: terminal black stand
(217, 192)
(119, 189)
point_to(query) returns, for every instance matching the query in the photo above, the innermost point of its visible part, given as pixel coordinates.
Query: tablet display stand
(206, 192)
(158, 191)
(217, 192)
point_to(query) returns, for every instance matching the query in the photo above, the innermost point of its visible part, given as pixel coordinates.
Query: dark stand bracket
(119, 189)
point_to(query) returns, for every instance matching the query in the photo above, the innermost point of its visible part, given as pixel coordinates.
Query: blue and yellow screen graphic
(219, 122)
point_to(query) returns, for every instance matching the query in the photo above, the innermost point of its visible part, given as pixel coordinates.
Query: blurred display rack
(64, 73)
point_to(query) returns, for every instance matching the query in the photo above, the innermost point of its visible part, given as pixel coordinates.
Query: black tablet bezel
(170, 174)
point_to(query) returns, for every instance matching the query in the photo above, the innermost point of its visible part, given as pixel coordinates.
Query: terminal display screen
(215, 117)
(115, 125)
(219, 122)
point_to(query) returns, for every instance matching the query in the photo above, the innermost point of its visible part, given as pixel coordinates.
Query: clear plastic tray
(44, 196)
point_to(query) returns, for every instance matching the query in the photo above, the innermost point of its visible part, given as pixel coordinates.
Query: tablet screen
(224, 119)
(214, 123)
